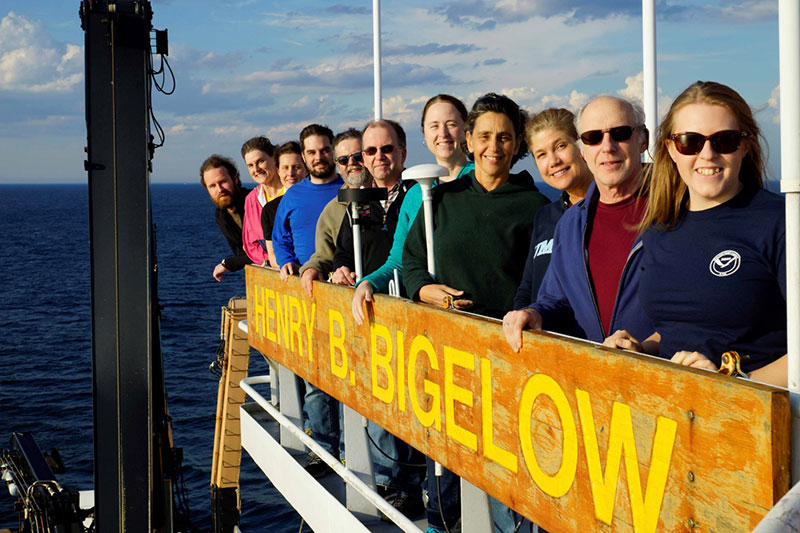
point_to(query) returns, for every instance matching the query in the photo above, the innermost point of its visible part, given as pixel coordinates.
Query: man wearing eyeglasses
(590, 287)
(347, 147)
(384, 152)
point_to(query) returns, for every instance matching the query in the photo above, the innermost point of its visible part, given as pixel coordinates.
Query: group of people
(683, 258)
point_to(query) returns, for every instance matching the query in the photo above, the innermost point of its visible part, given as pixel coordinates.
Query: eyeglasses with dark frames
(386, 149)
(722, 142)
(344, 159)
(619, 134)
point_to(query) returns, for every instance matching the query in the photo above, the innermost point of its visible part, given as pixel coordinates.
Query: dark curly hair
(498, 103)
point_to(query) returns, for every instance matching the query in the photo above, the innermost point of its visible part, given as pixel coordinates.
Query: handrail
(382, 505)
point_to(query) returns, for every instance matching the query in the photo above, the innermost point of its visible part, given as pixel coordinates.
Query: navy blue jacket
(566, 299)
(544, 225)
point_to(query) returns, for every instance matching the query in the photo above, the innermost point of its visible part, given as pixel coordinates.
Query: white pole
(427, 202)
(789, 30)
(376, 57)
(357, 241)
(649, 73)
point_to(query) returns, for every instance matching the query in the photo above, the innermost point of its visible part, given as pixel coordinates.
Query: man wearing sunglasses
(347, 147)
(590, 287)
(384, 154)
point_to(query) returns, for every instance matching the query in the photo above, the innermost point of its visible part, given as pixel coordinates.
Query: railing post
(476, 509)
(291, 407)
(358, 460)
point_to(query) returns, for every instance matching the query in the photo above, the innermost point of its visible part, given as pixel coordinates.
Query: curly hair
(498, 103)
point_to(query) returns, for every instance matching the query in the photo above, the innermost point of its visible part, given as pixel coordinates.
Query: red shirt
(613, 233)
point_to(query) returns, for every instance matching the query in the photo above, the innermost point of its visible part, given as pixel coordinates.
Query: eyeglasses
(723, 142)
(619, 134)
(386, 149)
(356, 156)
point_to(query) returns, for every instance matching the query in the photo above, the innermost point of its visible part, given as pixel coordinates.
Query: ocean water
(45, 354)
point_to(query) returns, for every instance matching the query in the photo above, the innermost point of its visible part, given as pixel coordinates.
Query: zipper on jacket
(585, 247)
(636, 247)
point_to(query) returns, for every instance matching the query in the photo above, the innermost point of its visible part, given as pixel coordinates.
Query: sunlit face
(711, 178)
(611, 162)
(220, 186)
(443, 129)
(353, 173)
(291, 169)
(261, 166)
(558, 159)
(318, 156)
(384, 167)
(493, 144)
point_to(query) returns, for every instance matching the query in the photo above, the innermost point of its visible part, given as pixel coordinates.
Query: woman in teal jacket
(443, 127)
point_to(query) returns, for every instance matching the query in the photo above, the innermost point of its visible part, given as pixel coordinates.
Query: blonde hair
(667, 191)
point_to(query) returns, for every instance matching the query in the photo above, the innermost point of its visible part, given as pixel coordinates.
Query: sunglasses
(386, 149)
(356, 156)
(619, 134)
(723, 142)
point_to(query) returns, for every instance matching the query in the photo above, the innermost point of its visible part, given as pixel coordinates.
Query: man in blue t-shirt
(293, 241)
(296, 219)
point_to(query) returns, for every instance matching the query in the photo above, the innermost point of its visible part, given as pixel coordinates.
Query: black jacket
(377, 234)
(233, 233)
(541, 248)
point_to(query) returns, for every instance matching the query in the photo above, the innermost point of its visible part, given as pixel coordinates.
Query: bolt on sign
(572, 435)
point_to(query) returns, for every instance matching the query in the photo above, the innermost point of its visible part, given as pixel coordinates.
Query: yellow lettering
(337, 343)
(645, 510)
(453, 393)
(381, 360)
(309, 322)
(294, 324)
(558, 484)
(258, 311)
(401, 373)
(490, 449)
(282, 312)
(433, 416)
(269, 294)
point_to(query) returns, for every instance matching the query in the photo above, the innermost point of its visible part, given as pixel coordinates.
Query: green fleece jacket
(480, 241)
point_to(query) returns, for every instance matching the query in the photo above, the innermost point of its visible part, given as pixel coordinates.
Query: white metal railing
(349, 477)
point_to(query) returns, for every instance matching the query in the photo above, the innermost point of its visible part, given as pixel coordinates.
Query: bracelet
(731, 365)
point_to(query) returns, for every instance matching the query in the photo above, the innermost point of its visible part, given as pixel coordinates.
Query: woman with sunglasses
(714, 271)
(553, 143)
(443, 128)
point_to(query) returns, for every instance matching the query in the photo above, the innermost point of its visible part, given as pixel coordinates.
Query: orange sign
(572, 435)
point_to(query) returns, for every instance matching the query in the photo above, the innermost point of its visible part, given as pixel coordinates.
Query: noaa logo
(725, 263)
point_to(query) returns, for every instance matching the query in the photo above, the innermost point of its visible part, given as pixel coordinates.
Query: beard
(322, 172)
(224, 201)
(356, 179)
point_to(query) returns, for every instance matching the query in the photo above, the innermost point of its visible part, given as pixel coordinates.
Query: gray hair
(636, 109)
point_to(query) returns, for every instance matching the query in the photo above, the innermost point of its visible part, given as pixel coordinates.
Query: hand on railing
(363, 294)
(515, 321)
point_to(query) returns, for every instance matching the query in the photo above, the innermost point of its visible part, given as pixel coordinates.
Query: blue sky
(250, 67)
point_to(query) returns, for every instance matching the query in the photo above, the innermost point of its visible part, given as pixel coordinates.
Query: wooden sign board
(574, 436)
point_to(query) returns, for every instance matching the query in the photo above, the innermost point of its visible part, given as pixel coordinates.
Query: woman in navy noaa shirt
(714, 269)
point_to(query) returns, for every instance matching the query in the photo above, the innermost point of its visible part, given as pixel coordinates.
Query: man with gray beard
(347, 151)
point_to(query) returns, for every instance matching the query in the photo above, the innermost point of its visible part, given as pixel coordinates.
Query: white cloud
(774, 102)
(30, 61)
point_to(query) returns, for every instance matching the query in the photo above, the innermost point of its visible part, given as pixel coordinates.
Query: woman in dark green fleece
(482, 222)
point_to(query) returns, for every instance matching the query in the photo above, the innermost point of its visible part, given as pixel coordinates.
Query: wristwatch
(223, 263)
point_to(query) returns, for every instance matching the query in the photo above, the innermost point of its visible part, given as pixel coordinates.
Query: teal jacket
(408, 212)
